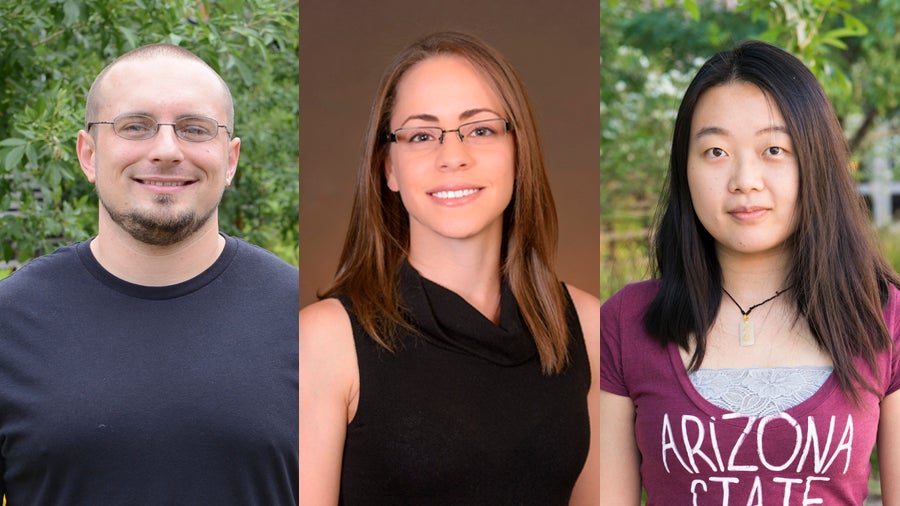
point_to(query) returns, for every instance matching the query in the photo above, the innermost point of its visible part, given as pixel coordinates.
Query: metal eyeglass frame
(392, 136)
(158, 124)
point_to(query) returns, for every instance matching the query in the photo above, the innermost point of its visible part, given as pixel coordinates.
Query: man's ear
(86, 148)
(234, 153)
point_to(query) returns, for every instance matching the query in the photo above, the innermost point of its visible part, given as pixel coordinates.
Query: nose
(747, 174)
(165, 145)
(453, 154)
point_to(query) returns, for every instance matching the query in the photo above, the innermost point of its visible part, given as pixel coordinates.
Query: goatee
(159, 229)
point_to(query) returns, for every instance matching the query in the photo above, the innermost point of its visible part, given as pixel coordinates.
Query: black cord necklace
(745, 331)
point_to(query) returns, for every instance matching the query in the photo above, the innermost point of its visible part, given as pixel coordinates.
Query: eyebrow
(468, 113)
(177, 118)
(714, 130)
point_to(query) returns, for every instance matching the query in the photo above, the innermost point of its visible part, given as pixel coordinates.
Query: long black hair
(838, 273)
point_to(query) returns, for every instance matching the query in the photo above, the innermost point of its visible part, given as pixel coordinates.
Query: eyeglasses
(426, 138)
(139, 127)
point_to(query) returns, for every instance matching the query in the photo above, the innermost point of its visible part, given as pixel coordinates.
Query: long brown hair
(839, 276)
(377, 239)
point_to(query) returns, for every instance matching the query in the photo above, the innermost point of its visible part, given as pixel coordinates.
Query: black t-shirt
(115, 393)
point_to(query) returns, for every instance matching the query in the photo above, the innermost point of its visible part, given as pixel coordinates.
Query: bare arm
(329, 379)
(889, 449)
(620, 478)
(587, 488)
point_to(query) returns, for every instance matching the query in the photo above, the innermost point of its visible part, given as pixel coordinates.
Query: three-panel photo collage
(596, 252)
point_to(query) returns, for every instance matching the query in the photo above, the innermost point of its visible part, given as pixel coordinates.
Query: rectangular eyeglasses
(427, 138)
(139, 127)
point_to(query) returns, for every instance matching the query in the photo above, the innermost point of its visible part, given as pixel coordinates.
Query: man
(157, 362)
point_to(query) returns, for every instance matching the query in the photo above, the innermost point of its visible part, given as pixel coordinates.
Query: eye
(714, 153)
(135, 125)
(774, 151)
(482, 131)
(196, 128)
(421, 137)
(417, 135)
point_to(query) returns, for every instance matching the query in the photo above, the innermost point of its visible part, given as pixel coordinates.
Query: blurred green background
(650, 50)
(50, 52)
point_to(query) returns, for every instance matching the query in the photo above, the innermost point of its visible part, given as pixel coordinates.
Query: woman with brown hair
(447, 364)
(762, 363)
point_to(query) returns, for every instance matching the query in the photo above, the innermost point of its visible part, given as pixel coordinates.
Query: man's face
(163, 189)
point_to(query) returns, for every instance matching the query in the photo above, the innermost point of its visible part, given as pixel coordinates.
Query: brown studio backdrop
(346, 45)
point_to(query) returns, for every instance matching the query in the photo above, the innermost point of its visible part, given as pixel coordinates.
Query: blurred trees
(651, 49)
(50, 52)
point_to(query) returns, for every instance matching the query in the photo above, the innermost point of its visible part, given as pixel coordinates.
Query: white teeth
(454, 194)
(165, 183)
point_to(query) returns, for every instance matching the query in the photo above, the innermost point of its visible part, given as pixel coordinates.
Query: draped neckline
(446, 320)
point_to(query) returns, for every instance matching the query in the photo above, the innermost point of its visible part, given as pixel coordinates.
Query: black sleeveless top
(461, 414)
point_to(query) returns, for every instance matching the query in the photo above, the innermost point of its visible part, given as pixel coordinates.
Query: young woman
(762, 363)
(447, 364)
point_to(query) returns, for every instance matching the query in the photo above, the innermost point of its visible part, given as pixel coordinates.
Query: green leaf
(130, 36)
(72, 10)
(12, 141)
(855, 24)
(693, 9)
(31, 154)
(834, 42)
(13, 157)
(840, 33)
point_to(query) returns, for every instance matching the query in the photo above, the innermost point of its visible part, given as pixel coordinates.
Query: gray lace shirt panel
(759, 392)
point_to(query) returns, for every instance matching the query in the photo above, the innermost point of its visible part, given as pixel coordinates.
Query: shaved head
(153, 51)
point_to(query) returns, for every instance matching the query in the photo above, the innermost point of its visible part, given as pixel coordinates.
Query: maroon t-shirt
(693, 452)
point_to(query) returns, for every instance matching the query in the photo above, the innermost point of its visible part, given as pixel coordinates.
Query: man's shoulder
(263, 258)
(43, 268)
(261, 271)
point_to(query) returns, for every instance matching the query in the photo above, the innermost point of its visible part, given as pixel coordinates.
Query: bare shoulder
(587, 488)
(327, 351)
(329, 391)
(588, 308)
(326, 315)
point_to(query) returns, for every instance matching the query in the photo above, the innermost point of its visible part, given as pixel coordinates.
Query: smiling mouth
(455, 194)
(163, 183)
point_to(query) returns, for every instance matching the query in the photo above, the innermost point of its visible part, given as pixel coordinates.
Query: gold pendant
(746, 332)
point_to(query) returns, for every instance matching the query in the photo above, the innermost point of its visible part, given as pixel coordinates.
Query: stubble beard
(162, 228)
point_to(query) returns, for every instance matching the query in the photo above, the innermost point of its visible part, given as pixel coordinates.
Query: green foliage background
(50, 52)
(651, 49)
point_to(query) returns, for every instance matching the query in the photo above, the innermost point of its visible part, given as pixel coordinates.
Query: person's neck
(148, 265)
(468, 267)
(753, 278)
